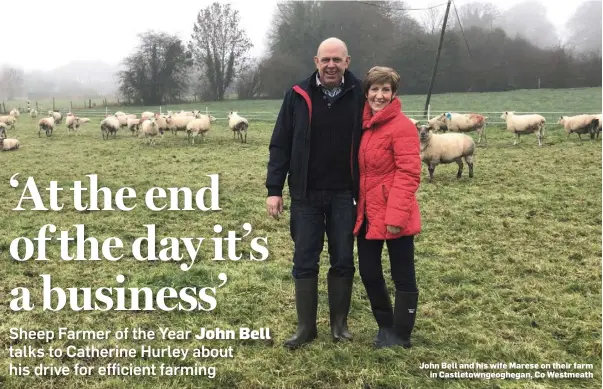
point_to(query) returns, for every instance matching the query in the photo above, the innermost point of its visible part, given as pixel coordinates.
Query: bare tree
(12, 82)
(219, 46)
(478, 14)
(584, 28)
(432, 19)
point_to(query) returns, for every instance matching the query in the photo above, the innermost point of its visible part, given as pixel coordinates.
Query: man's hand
(393, 230)
(274, 206)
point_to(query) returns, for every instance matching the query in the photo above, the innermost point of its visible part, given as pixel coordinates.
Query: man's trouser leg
(307, 231)
(340, 220)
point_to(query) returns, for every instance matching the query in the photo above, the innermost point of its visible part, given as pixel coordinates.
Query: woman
(390, 173)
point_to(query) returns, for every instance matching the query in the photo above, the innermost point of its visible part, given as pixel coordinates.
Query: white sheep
(199, 126)
(464, 122)
(446, 148)
(119, 113)
(146, 114)
(179, 122)
(437, 123)
(14, 113)
(7, 144)
(238, 125)
(73, 123)
(133, 125)
(597, 128)
(579, 124)
(9, 121)
(46, 124)
(56, 115)
(33, 113)
(149, 130)
(525, 124)
(108, 126)
(84, 120)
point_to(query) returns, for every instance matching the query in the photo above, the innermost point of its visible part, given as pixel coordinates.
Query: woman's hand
(393, 229)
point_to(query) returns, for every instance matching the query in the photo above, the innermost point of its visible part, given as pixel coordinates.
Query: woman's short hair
(381, 75)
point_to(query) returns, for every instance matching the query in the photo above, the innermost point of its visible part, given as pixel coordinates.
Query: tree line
(478, 54)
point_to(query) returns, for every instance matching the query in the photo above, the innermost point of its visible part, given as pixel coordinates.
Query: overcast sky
(42, 35)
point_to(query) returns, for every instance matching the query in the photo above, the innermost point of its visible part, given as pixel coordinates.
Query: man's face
(331, 62)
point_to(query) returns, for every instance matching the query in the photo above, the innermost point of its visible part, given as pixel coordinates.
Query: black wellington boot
(384, 315)
(306, 303)
(340, 295)
(404, 315)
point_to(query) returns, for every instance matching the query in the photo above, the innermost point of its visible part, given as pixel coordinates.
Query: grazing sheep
(525, 124)
(14, 113)
(84, 120)
(149, 130)
(3, 130)
(133, 125)
(108, 126)
(7, 144)
(46, 124)
(56, 115)
(579, 124)
(238, 125)
(33, 113)
(446, 148)
(9, 121)
(199, 126)
(461, 122)
(73, 123)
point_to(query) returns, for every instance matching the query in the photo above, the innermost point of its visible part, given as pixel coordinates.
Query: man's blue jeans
(332, 212)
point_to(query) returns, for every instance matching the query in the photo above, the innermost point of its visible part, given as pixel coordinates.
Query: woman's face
(379, 96)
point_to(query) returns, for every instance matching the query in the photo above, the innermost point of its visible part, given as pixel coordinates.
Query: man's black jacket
(290, 142)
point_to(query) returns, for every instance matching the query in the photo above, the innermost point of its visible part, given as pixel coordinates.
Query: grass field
(508, 263)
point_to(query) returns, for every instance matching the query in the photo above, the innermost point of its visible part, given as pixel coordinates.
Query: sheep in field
(238, 125)
(446, 148)
(524, 124)
(579, 124)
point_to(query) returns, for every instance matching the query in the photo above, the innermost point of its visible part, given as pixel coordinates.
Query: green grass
(508, 263)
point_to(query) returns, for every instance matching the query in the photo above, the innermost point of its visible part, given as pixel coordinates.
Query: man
(315, 142)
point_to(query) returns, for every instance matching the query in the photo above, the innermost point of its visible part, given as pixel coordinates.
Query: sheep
(56, 115)
(84, 120)
(199, 126)
(46, 124)
(73, 123)
(145, 115)
(33, 113)
(179, 122)
(3, 130)
(149, 130)
(446, 148)
(133, 125)
(437, 123)
(458, 122)
(162, 123)
(7, 144)
(579, 124)
(119, 113)
(525, 124)
(108, 126)
(596, 127)
(238, 125)
(14, 113)
(9, 121)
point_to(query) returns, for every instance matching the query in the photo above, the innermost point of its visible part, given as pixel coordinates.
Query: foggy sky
(46, 35)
